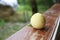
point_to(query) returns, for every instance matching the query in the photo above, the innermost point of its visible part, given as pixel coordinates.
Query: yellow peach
(37, 21)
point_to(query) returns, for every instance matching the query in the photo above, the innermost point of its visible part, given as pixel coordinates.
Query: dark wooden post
(34, 6)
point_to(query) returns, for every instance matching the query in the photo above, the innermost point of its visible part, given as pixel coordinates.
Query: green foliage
(15, 27)
(24, 2)
(2, 23)
(25, 12)
(39, 2)
(45, 2)
(42, 8)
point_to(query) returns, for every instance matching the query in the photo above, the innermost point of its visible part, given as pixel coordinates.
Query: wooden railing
(48, 33)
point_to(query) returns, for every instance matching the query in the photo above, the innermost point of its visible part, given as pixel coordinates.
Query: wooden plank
(29, 33)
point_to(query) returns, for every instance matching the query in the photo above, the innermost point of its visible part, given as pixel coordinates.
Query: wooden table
(48, 33)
